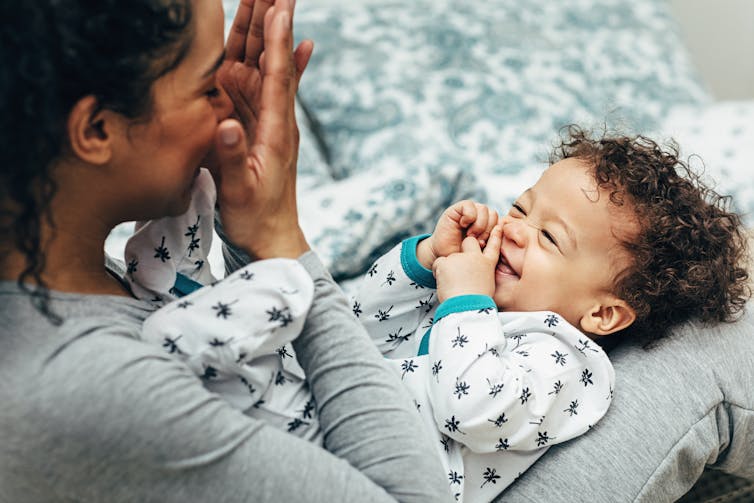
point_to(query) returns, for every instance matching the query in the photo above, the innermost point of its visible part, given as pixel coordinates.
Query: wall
(720, 36)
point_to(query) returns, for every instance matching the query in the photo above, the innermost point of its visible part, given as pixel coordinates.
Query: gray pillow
(683, 405)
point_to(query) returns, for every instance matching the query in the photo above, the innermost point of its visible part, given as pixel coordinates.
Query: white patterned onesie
(234, 334)
(495, 389)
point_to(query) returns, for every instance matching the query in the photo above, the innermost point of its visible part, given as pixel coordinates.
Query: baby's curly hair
(690, 253)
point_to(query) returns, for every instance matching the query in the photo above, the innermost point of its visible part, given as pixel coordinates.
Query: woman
(115, 106)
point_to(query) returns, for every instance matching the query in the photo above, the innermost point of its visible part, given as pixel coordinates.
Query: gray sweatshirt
(88, 412)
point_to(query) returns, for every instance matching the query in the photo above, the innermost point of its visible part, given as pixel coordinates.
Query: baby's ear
(89, 132)
(607, 318)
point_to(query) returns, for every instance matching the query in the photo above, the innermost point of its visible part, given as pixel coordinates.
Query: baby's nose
(515, 229)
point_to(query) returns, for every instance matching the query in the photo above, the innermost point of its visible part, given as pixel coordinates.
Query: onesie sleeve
(220, 330)
(396, 300)
(161, 249)
(513, 381)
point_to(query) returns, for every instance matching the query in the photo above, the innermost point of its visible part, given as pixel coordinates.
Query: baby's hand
(470, 272)
(463, 219)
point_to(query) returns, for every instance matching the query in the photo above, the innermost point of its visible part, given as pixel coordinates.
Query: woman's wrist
(291, 245)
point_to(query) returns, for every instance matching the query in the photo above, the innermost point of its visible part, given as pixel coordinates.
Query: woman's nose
(224, 106)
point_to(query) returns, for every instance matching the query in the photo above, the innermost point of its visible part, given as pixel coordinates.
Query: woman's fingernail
(229, 136)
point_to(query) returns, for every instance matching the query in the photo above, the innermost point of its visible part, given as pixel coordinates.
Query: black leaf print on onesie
(436, 368)
(560, 358)
(500, 421)
(489, 475)
(452, 425)
(397, 337)
(132, 267)
(502, 444)
(495, 388)
(525, 395)
(584, 345)
(586, 377)
(372, 270)
(283, 316)
(408, 366)
(543, 439)
(171, 345)
(462, 388)
(551, 320)
(571, 410)
(390, 279)
(210, 373)
(460, 339)
(282, 351)
(556, 388)
(295, 424)
(356, 308)
(454, 477)
(223, 310)
(161, 252)
(309, 407)
(383, 315)
(426, 305)
(518, 338)
(191, 230)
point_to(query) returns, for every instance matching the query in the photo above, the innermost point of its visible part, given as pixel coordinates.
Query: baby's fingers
(464, 212)
(480, 228)
(495, 241)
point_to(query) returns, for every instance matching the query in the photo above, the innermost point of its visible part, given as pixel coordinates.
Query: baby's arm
(513, 381)
(159, 249)
(218, 330)
(397, 298)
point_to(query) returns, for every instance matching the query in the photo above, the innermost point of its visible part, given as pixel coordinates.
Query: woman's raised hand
(256, 175)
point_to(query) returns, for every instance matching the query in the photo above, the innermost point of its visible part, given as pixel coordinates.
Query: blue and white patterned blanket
(408, 106)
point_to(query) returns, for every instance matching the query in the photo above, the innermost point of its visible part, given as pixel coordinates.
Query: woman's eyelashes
(213, 92)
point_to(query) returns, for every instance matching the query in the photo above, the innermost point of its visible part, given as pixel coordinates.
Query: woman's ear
(607, 318)
(90, 131)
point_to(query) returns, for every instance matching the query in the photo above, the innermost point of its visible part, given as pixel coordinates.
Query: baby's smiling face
(561, 248)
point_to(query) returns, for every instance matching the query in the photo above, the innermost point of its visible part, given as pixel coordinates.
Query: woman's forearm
(366, 415)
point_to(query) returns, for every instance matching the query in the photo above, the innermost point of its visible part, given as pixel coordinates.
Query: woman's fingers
(301, 57)
(236, 46)
(279, 80)
(255, 36)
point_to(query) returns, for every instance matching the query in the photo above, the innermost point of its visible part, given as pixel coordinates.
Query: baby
(494, 324)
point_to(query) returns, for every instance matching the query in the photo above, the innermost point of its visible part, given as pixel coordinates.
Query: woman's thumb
(230, 146)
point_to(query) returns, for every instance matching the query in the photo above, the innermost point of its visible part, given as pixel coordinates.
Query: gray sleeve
(117, 420)
(366, 416)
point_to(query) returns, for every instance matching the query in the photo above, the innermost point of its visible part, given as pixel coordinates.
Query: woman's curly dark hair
(53, 53)
(690, 253)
